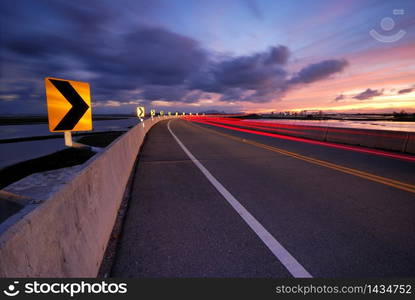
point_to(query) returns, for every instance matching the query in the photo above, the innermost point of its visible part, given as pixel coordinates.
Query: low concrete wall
(317, 133)
(66, 235)
(380, 139)
(410, 144)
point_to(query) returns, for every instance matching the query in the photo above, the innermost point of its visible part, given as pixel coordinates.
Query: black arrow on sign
(78, 109)
(141, 111)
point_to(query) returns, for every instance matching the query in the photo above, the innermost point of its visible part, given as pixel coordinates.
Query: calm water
(380, 125)
(12, 153)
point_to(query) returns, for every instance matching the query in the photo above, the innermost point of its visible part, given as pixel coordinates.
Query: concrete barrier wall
(410, 144)
(319, 133)
(380, 139)
(66, 235)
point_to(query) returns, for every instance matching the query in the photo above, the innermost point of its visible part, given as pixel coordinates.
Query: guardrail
(67, 234)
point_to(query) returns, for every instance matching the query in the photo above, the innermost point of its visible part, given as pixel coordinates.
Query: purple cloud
(260, 77)
(405, 91)
(319, 71)
(368, 94)
(339, 97)
(253, 78)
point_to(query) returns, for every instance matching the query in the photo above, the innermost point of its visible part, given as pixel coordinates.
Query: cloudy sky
(234, 55)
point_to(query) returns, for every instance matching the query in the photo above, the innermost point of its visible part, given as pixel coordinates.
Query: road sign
(177, 113)
(169, 113)
(140, 112)
(152, 112)
(161, 112)
(69, 105)
(183, 113)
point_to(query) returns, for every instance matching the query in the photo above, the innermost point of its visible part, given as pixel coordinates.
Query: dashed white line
(289, 261)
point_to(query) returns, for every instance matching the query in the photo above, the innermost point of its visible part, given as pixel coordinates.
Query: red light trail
(230, 124)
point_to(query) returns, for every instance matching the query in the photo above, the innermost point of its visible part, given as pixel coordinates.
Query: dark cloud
(319, 71)
(405, 91)
(150, 56)
(368, 94)
(126, 60)
(143, 57)
(339, 97)
(163, 92)
(252, 5)
(255, 72)
(260, 77)
(276, 55)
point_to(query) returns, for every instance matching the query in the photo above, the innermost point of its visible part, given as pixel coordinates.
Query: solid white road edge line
(289, 262)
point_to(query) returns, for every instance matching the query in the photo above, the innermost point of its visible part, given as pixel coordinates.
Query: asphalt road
(333, 222)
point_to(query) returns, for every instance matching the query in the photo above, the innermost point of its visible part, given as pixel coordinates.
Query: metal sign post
(68, 138)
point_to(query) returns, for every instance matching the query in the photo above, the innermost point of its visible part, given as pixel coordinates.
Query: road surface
(256, 206)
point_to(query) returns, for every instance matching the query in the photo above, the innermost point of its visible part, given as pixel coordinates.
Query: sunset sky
(233, 56)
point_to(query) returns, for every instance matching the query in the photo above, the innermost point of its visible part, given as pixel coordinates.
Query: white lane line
(289, 262)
